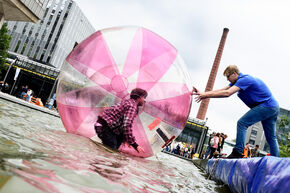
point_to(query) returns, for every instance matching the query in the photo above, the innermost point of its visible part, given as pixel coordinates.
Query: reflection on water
(37, 155)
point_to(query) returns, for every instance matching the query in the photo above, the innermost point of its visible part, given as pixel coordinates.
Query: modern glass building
(50, 40)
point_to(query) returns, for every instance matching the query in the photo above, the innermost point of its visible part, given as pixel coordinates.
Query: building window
(254, 132)
(252, 142)
(17, 46)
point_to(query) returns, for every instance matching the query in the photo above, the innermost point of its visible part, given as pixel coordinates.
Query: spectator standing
(208, 147)
(177, 150)
(214, 145)
(192, 151)
(223, 141)
(220, 143)
(189, 152)
(186, 151)
(181, 149)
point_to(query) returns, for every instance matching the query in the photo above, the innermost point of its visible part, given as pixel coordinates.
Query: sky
(258, 42)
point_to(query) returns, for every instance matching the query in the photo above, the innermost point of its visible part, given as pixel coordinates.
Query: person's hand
(140, 149)
(194, 91)
(199, 95)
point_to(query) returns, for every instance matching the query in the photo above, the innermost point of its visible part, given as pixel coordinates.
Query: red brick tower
(204, 103)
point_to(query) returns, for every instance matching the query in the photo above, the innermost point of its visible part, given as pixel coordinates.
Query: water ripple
(36, 152)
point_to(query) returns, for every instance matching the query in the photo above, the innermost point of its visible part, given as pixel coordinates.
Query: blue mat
(251, 175)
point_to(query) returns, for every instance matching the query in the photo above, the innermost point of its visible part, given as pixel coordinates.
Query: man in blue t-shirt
(257, 96)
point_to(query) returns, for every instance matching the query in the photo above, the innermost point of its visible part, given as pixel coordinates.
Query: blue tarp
(266, 174)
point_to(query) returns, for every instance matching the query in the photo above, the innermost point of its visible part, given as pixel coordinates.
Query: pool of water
(37, 155)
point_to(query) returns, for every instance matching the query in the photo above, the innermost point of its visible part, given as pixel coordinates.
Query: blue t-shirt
(254, 91)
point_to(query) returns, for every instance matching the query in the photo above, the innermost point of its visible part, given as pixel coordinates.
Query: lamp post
(6, 75)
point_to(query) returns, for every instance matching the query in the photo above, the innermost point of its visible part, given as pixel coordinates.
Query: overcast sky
(258, 42)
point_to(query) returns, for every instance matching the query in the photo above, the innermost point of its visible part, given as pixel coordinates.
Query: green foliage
(285, 149)
(4, 45)
(284, 146)
(284, 121)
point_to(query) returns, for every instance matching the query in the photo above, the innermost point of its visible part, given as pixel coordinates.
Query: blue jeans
(207, 152)
(268, 117)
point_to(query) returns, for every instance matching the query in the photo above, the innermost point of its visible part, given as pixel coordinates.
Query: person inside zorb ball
(114, 125)
(97, 79)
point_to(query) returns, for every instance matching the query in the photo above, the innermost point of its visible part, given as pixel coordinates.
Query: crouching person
(114, 125)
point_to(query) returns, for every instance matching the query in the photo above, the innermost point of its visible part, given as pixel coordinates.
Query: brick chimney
(204, 103)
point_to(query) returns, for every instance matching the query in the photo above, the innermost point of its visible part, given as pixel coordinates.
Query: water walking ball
(104, 68)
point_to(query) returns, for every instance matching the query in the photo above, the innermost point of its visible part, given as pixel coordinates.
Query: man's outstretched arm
(220, 93)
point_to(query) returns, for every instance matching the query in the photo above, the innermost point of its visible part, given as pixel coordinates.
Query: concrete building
(22, 10)
(51, 39)
(255, 133)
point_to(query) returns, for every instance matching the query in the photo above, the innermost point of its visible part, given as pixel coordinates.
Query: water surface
(37, 155)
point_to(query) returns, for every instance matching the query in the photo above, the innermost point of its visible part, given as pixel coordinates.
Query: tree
(284, 121)
(284, 145)
(4, 45)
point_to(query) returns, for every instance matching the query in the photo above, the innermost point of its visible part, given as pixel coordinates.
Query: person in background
(220, 142)
(181, 149)
(50, 103)
(192, 151)
(28, 95)
(39, 102)
(114, 125)
(189, 152)
(24, 90)
(186, 149)
(177, 150)
(208, 147)
(214, 145)
(247, 151)
(255, 151)
(221, 145)
(258, 97)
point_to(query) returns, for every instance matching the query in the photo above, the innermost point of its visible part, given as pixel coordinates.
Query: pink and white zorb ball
(104, 68)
